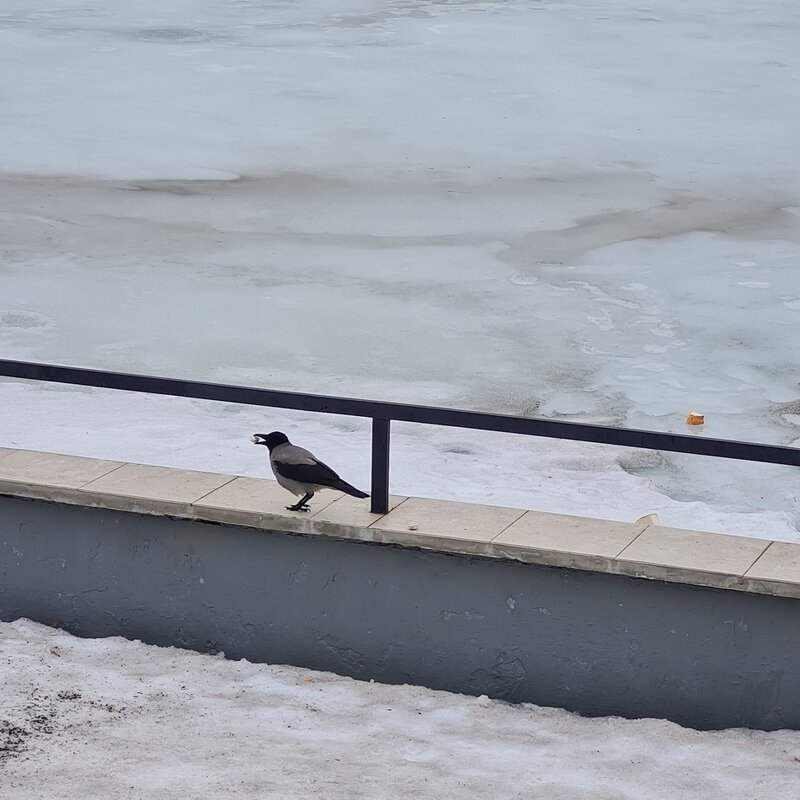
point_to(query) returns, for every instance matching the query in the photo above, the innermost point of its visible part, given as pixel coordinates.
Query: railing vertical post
(380, 466)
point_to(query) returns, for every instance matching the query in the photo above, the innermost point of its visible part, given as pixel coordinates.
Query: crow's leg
(302, 503)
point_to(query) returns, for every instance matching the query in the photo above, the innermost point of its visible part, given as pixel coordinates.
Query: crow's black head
(271, 440)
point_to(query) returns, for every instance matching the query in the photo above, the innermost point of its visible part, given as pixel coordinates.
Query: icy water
(581, 211)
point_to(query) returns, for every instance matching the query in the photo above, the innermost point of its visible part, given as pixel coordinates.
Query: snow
(582, 211)
(110, 718)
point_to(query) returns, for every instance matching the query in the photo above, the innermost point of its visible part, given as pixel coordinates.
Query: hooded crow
(300, 471)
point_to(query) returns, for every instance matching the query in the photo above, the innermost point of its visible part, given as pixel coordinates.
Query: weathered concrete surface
(590, 642)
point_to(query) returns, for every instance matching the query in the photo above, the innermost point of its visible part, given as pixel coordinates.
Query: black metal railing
(382, 414)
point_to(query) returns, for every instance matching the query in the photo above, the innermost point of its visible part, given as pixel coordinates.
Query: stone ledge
(643, 551)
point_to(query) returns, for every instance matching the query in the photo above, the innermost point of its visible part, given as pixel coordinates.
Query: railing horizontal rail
(401, 412)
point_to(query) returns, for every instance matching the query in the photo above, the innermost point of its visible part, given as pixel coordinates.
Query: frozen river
(584, 211)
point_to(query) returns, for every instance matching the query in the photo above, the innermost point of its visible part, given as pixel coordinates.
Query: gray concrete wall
(589, 642)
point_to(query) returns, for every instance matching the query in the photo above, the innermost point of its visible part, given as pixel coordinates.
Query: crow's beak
(256, 439)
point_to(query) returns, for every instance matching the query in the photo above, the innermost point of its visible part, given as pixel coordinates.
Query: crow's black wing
(317, 472)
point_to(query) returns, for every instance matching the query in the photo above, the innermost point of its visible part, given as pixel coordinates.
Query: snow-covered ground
(110, 718)
(587, 211)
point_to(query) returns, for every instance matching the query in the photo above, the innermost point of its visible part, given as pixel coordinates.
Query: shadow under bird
(300, 471)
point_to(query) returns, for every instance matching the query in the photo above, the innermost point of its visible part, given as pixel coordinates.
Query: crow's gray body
(299, 471)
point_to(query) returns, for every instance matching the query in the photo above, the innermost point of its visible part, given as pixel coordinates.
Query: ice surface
(587, 212)
(110, 718)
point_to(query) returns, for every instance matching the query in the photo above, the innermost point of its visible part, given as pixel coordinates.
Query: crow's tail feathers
(344, 486)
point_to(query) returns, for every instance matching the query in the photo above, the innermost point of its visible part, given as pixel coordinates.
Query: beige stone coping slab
(255, 502)
(565, 541)
(638, 550)
(244, 501)
(435, 523)
(352, 512)
(148, 489)
(711, 559)
(776, 570)
(50, 472)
